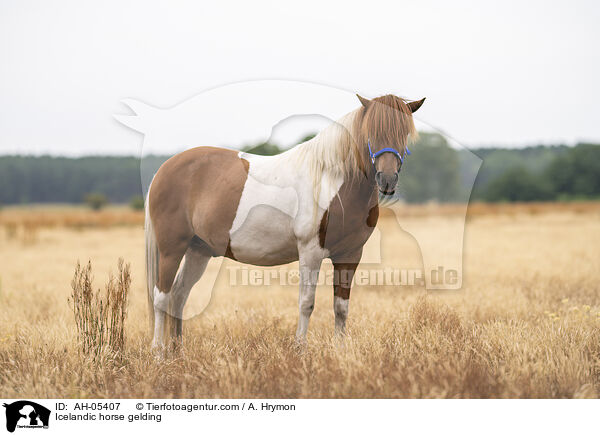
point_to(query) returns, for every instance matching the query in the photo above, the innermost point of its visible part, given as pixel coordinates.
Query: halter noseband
(387, 150)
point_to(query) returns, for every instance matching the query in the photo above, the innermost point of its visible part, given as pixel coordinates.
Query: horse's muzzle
(386, 182)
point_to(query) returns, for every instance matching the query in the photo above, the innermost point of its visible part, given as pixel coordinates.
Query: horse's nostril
(385, 181)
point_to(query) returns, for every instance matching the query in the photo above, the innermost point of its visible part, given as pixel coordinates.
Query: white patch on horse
(277, 209)
(311, 256)
(340, 308)
(265, 186)
(161, 305)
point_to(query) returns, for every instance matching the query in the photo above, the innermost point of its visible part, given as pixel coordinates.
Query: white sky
(502, 73)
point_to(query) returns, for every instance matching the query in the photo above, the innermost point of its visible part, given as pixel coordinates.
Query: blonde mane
(340, 150)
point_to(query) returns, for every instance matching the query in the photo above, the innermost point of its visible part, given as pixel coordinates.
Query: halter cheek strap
(387, 150)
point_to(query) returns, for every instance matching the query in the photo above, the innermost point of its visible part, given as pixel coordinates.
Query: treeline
(570, 174)
(46, 179)
(434, 171)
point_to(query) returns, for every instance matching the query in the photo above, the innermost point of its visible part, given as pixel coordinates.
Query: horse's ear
(414, 105)
(363, 101)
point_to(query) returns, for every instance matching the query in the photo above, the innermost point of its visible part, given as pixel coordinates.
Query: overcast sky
(503, 73)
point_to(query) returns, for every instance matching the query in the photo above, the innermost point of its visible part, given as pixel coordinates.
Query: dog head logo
(26, 414)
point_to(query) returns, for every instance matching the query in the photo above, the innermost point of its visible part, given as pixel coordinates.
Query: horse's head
(384, 126)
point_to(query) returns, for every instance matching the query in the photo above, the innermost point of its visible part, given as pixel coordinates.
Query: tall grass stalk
(100, 316)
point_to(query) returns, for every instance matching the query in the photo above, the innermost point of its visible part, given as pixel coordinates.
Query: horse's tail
(152, 256)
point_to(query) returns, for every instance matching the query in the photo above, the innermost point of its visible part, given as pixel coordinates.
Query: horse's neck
(333, 167)
(363, 188)
(359, 191)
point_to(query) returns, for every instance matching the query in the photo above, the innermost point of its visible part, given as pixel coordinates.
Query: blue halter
(387, 150)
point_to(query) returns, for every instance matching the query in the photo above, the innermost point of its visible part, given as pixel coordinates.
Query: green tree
(577, 173)
(263, 149)
(431, 172)
(518, 184)
(137, 202)
(307, 137)
(96, 200)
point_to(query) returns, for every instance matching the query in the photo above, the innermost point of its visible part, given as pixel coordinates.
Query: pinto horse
(317, 200)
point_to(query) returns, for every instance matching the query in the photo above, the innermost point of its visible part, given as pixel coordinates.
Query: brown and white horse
(317, 200)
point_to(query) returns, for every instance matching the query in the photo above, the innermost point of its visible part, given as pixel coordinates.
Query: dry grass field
(525, 324)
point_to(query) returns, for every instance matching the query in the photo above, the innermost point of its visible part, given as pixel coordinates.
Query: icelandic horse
(316, 200)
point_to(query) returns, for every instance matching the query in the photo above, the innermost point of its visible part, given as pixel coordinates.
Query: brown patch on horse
(373, 216)
(323, 228)
(246, 164)
(350, 226)
(187, 202)
(229, 252)
(348, 215)
(343, 274)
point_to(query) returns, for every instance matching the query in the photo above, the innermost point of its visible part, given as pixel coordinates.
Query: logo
(26, 414)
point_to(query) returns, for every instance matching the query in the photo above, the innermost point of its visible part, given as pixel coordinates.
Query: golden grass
(525, 324)
(31, 218)
(476, 209)
(25, 221)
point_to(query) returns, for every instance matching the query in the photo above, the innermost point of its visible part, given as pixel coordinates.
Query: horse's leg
(343, 272)
(191, 270)
(168, 265)
(310, 264)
